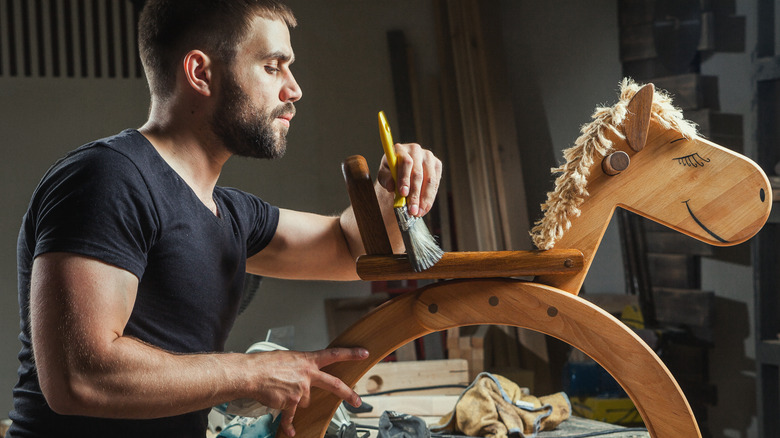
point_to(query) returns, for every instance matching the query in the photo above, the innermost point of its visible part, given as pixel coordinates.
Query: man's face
(255, 97)
(248, 130)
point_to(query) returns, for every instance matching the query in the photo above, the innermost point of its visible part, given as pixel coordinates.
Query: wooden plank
(406, 353)
(476, 264)
(730, 33)
(707, 39)
(433, 346)
(691, 90)
(418, 405)
(637, 273)
(684, 307)
(671, 242)
(673, 270)
(391, 376)
(636, 42)
(612, 303)
(462, 217)
(634, 12)
(489, 201)
(340, 313)
(477, 340)
(468, 56)
(453, 336)
(504, 137)
(401, 71)
(646, 70)
(722, 128)
(686, 361)
(445, 216)
(712, 123)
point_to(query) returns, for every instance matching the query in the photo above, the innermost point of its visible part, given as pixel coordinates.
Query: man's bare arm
(87, 366)
(314, 247)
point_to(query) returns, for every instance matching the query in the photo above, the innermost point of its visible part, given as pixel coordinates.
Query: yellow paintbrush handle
(387, 145)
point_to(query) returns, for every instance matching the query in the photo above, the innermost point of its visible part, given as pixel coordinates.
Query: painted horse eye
(762, 195)
(692, 160)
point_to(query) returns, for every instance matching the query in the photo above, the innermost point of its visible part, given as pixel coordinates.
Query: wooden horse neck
(585, 235)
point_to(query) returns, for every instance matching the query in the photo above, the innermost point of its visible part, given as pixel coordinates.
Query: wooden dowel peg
(615, 163)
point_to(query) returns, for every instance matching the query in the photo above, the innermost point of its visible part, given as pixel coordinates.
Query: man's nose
(291, 92)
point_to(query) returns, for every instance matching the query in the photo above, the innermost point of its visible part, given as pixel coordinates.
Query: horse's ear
(637, 120)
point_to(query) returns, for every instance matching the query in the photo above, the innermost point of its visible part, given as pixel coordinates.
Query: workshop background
(69, 74)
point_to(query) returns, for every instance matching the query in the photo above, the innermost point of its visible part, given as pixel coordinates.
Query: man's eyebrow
(279, 56)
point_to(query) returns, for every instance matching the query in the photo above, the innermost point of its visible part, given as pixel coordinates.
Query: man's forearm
(130, 379)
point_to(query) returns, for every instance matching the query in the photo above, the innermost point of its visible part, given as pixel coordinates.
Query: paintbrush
(421, 247)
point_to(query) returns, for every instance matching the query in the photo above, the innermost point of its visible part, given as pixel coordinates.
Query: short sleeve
(95, 202)
(258, 219)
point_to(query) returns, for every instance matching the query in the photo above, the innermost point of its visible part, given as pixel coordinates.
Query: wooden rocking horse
(640, 155)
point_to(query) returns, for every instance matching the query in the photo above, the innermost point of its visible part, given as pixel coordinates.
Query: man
(131, 259)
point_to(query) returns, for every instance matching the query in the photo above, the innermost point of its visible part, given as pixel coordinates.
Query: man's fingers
(330, 383)
(418, 175)
(287, 419)
(430, 184)
(415, 186)
(337, 387)
(385, 177)
(403, 171)
(332, 355)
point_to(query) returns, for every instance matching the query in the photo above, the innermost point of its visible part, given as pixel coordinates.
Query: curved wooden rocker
(674, 177)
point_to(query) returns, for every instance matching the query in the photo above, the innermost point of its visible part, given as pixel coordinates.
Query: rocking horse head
(642, 155)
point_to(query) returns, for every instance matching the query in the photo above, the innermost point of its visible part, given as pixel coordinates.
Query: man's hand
(288, 377)
(419, 174)
(314, 247)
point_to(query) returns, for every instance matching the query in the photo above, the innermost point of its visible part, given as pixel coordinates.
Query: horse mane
(570, 191)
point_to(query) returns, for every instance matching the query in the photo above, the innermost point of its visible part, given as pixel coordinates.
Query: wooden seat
(380, 264)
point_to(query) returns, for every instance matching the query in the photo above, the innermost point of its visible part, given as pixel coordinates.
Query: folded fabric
(243, 427)
(495, 407)
(396, 425)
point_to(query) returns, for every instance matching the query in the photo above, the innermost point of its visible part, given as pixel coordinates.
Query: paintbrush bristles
(421, 247)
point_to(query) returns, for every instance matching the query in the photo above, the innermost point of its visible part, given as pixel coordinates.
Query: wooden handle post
(365, 206)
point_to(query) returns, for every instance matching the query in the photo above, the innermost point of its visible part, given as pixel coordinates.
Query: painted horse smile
(703, 227)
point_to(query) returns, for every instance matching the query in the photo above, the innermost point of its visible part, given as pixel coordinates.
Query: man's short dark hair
(168, 29)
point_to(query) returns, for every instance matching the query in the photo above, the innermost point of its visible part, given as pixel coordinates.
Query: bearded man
(132, 260)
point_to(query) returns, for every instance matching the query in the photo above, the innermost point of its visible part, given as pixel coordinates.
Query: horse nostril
(762, 195)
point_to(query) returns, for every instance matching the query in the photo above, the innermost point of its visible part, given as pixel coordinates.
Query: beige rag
(495, 407)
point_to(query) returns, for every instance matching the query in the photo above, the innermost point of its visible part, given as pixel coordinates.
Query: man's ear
(198, 71)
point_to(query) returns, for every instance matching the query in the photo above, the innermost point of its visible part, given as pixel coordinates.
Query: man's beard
(245, 129)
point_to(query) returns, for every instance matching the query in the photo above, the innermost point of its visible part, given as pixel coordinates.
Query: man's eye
(272, 70)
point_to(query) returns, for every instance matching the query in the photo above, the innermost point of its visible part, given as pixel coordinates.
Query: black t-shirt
(117, 200)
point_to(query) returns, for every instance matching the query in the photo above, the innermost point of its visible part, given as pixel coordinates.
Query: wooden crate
(451, 375)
